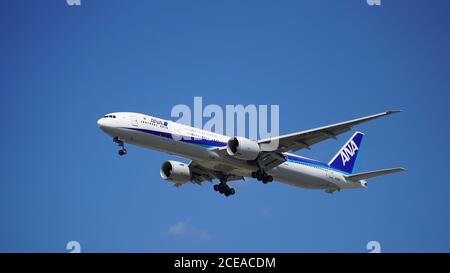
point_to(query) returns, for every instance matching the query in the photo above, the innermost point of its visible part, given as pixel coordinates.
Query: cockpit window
(109, 116)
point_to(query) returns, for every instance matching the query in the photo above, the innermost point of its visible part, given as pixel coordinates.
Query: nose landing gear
(121, 143)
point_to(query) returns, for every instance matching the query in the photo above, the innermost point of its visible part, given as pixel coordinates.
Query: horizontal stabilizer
(372, 174)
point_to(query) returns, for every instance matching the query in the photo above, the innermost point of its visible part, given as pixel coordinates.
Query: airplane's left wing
(199, 173)
(304, 139)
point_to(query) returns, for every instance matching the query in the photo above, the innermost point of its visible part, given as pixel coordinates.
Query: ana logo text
(159, 122)
(348, 152)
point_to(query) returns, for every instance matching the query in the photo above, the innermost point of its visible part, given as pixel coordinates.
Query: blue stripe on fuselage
(197, 141)
(213, 144)
(309, 162)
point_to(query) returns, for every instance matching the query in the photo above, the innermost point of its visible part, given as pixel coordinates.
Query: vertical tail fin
(345, 158)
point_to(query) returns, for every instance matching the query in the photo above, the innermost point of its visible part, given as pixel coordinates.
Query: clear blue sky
(63, 67)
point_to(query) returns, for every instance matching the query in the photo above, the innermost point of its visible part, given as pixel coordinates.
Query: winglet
(389, 112)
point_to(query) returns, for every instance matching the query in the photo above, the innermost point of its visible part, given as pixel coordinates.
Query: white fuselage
(165, 136)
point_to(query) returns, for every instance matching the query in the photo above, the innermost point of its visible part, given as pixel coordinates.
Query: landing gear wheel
(122, 150)
(259, 176)
(224, 189)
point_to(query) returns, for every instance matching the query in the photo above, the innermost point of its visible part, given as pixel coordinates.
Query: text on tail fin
(345, 158)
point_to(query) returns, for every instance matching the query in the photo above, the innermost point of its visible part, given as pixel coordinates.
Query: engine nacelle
(175, 171)
(243, 148)
(363, 183)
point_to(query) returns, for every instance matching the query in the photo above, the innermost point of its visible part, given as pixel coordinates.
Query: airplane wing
(201, 174)
(304, 139)
(372, 174)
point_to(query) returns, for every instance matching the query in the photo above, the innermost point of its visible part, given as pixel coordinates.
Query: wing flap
(201, 174)
(269, 160)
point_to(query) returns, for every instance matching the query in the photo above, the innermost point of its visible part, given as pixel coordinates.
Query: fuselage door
(135, 121)
(329, 173)
(334, 177)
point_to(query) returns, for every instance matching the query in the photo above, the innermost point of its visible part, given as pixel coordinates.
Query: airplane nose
(101, 122)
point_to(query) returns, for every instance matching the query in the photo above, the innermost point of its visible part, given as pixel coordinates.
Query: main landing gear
(261, 175)
(122, 150)
(223, 188)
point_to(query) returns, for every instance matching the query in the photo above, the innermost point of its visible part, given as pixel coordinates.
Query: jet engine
(243, 148)
(175, 171)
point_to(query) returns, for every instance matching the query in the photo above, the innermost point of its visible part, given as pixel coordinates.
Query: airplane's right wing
(304, 139)
(272, 148)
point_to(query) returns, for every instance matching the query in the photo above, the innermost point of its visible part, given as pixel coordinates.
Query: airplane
(215, 156)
